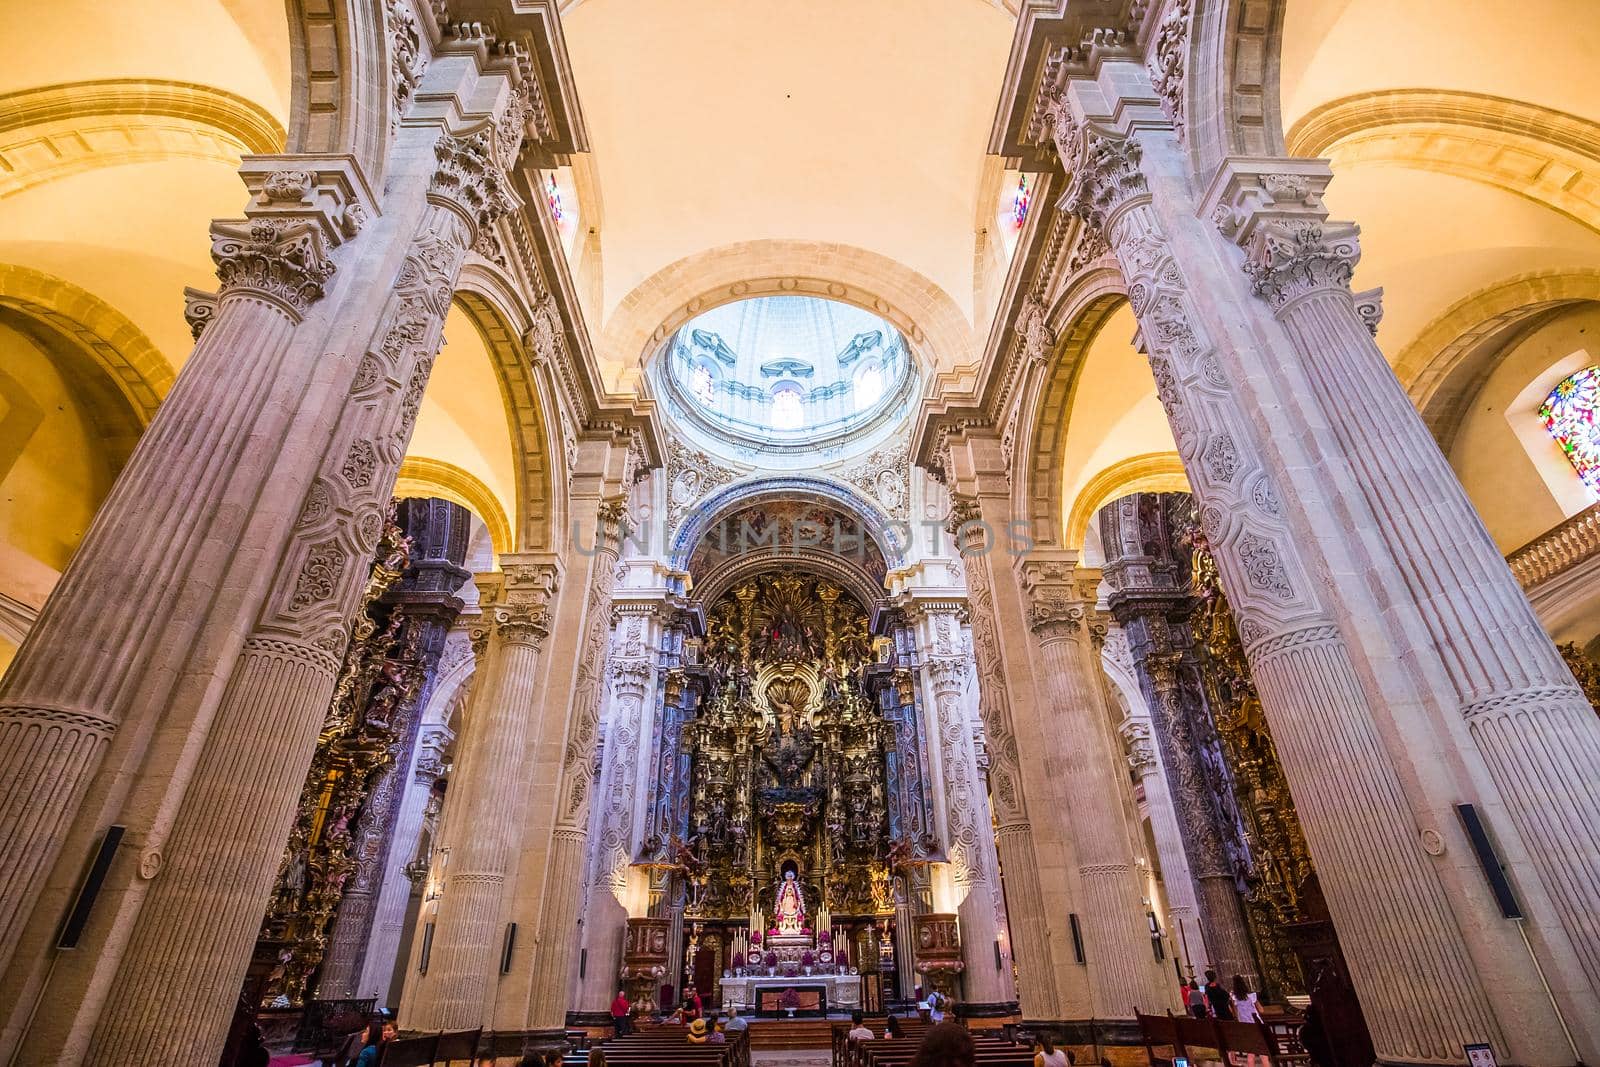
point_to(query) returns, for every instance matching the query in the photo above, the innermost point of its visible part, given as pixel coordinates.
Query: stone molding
(1557, 550)
(53, 131)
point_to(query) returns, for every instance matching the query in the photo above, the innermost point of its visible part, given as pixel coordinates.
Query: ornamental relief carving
(277, 259)
(406, 59)
(884, 477)
(994, 701)
(1167, 63)
(319, 575)
(691, 475)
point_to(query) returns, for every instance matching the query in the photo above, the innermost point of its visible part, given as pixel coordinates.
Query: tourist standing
(619, 1014)
(1217, 998)
(1195, 998)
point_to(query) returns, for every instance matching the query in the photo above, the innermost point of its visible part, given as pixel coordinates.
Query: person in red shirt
(620, 1009)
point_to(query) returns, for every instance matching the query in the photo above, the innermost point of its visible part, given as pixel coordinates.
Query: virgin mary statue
(789, 911)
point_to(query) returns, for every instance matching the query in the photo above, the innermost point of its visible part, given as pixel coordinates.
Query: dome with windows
(787, 371)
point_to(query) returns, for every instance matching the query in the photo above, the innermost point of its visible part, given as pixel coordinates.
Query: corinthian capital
(1272, 208)
(630, 677)
(280, 261)
(948, 674)
(1104, 168)
(469, 178)
(1288, 260)
(964, 509)
(520, 623)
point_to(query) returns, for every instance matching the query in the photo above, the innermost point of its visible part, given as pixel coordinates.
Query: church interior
(672, 531)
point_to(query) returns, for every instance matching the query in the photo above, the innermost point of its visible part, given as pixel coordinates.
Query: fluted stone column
(1034, 857)
(1350, 684)
(148, 612)
(554, 964)
(179, 978)
(969, 832)
(1498, 682)
(487, 790)
(426, 598)
(1124, 976)
(1183, 912)
(615, 829)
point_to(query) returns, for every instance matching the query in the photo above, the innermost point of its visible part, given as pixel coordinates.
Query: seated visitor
(860, 1031)
(1045, 1053)
(735, 1020)
(946, 1045)
(718, 1036)
(697, 1032)
(892, 1029)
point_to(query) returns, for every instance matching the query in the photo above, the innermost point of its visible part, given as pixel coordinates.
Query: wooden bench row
(669, 1046)
(1170, 1037)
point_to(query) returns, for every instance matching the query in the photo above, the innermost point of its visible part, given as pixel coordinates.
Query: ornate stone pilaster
(1123, 973)
(1151, 609)
(1047, 989)
(426, 599)
(1512, 701)
(636, 638)
(486, 795)
(1406, 949)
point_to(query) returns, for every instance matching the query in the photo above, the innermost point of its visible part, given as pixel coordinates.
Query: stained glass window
(553, 194)
(1020, 201)
(1572, 415)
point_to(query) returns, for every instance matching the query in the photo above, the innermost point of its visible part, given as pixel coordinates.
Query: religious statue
(789, 910)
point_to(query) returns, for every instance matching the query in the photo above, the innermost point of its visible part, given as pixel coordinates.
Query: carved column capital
(630, 677)
(282, 262)
(516, 600)
(948, 675)
(1273, 209)
(1137, 743)
(431, 744)
(469, 179)
(964, 516)
(199, 308)
(1104, 167)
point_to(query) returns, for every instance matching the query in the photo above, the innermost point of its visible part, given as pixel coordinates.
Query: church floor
(790, 1058)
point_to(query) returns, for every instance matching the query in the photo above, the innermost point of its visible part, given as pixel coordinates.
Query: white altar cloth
(843, 990)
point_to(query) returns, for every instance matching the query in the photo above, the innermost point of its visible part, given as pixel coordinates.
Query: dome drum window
(787, 370)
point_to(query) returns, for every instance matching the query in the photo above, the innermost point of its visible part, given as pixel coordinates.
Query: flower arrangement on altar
(771, 960)
(807, 960)
(789, 1000)
(738, 963)
(755, 937)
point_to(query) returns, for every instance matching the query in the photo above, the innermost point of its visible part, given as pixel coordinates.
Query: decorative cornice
(283, 262)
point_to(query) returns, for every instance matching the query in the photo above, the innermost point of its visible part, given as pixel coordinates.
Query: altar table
(840, 992)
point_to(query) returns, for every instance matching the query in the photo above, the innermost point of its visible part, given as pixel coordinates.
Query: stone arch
(1084, 309)
(53, 131)
(341, 53)
(1230, 91)
(1152, 472)
(889, 538)
(1443, 368)
(420, 476)
(1546, 156)
(933, 325)
(123, 374)
(502, 320)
